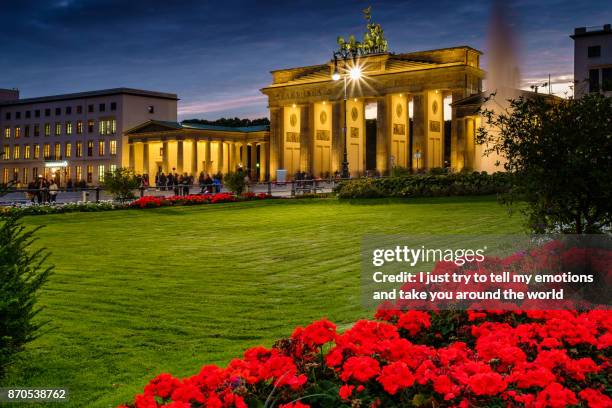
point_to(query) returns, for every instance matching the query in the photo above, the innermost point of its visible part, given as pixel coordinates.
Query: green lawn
(136, 293)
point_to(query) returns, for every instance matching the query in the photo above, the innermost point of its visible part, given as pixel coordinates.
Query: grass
(136, 293)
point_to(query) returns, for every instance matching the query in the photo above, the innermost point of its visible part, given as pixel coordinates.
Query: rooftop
(196, 126)
(591, 31)
(91, 94)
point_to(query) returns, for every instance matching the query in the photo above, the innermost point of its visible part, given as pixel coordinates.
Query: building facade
(76, 137)
(308, 112)
(592, 60)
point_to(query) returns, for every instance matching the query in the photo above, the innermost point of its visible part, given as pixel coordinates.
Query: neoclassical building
(307, 113)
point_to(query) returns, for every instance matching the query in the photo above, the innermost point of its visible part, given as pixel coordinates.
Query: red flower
(595, 399)
(346, 391)
(360, 368)
(414, 321)
(395, 377)
(555, 396)
(487, 383)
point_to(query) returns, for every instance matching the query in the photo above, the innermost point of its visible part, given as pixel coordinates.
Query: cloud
(221, 105)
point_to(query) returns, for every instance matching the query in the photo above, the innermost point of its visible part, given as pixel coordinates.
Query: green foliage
(121, 183)
(426, 185)
(231, 122)
(374, 41)
(560, 153)
(59, 208)
(399, 171)
(234, 182)
(22, 274)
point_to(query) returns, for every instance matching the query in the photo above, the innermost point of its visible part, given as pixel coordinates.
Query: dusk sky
(216, 55)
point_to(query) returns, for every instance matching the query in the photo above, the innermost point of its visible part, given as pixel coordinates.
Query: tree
(22, 274)
(235, 182)
(121, 183)
(560, 152)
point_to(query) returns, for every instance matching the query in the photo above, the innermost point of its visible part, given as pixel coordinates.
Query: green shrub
(22, 274)
(359, 188)
(121, 183)
(234, 182)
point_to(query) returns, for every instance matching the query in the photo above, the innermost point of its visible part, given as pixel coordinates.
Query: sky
(217, 55)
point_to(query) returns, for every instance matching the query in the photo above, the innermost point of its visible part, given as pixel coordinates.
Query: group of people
(42, 190)
(181, 184)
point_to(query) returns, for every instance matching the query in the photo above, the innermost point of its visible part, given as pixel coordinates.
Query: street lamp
(354, 73)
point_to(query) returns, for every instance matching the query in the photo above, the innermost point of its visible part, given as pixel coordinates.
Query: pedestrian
(53, 190)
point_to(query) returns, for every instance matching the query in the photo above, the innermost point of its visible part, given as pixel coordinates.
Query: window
(58, 111)
(113, 106)
(36, 130)
(7, 116)
(593, 80)
(90, 145)
(27, 152)
(89, 173)
(5, 175)
(79, 149)
(67, 172)
(68, 128)
(102, 107)
(113, 167)
(107, 126)
(6, 152)
(36, 151)
(15, 174)
(57, 152)
(24, 179)
(90, 126)
(68, 150)
(594, 51)
(7, 132)
(78, 172)
(34, 173)
(17, 132)
(58, 128)
(151, 109)
(17, 115)
(101, 147)
(28, 114)
(47, 112)
(90, 108)
(112, 147)
(47, 151)
(79, 109)
(47, 129)
(16, 152)
(26, 131)
(101, 173)
(37, 113)
(79, 127)
(606, 79)
(68, 110)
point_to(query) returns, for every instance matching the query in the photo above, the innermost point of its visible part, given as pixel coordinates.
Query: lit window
(101, 146)
(26, 152)
(5, 175)
(68, 150)
(102, 127)
(79, 149)
(36, 151)
(16, 152)
(101, 173)
(24, 179)
(58, 128)
(47, 129)
(6, 152)
(113, 147)
(7, 132)
(47, 151)
(90, 147)
(36, 130)
(113, 167)
(79, 127)
(15, 174)
(67, 170)
(68, 128)
(57, 151)
(78, 172)
(90, 125)
(89, 173)
(26, 131)
(113, 126)
(17, 132)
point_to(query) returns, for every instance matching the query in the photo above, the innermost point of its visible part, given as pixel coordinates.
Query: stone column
(145, 158)
(194, 158)
(264, 171)
(254, 161)
(306, 138)
(419, 118)
(165, 164)
(244, 155)
(132, 159)
(338, 136)
(207, 157)
(382, 135)
(179, 157)
(456, 157)
(220, 161)
(276, 134)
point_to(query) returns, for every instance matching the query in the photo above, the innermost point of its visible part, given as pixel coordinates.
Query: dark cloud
(219, 53)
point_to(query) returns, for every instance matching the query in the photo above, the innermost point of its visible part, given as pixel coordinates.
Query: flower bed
(43, 209)
(196, 199)
(404, 358)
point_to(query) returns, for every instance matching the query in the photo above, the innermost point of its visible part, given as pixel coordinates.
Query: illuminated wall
(435, 129)
(322, 139)
(399, 130)
(291, 140)
(355, 128)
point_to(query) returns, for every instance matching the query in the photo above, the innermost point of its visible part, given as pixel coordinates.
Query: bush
(426, 185)
(121, 183)
(22, 274)
(234, 182)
